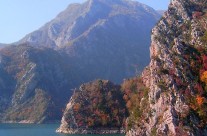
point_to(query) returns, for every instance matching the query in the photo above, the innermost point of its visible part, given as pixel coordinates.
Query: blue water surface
(35, 130)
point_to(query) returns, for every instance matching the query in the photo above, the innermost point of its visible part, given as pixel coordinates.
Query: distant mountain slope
(2, 45)
(161, 12)
(109, 39)
(80, 20)
(99, 39)
(34, 84)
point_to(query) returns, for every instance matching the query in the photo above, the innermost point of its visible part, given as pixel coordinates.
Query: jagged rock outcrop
(95, 108)
(176, 73)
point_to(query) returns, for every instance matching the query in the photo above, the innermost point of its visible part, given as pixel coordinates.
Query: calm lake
(34, 130)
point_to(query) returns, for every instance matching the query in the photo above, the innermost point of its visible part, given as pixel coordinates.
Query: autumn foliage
(204, 77)
(136, 97)
(200, 100)
(76, 107)
(98, 104)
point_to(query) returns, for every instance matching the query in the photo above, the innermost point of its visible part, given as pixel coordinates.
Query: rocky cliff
(96, 107)
(176, 75)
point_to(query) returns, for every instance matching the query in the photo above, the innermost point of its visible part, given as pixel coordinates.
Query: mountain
(2, 45)
(177, 73)
(34, 84)
(108, 39)
(96, 107)
(99, 39)
(161, 12)
(95, 19)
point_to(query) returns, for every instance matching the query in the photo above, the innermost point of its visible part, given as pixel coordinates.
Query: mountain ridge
(2, 45)
(81, 11)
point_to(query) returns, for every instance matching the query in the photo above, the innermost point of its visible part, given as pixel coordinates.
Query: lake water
(34, 130)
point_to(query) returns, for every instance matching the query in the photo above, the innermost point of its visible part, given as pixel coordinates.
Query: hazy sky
(20, 17)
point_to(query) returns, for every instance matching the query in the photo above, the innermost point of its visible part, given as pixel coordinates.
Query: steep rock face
(176, 75)
(96, 107)
(34, 84)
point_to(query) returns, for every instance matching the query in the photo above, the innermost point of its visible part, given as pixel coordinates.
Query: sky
(20, 17)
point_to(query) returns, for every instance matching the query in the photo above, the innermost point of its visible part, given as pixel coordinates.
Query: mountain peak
(78, 19)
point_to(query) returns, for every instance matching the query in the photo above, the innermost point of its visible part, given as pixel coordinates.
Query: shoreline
(90, 131)
(29, 122)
